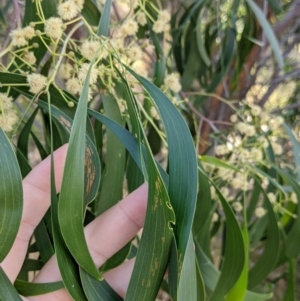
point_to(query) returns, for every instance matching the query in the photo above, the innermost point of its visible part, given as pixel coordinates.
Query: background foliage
(198, 98)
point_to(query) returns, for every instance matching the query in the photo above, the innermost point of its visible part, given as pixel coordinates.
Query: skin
(121, 222)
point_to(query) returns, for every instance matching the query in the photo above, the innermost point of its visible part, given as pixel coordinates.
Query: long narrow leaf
(11, 192)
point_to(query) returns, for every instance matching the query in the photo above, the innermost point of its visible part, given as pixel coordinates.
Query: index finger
(36, 191)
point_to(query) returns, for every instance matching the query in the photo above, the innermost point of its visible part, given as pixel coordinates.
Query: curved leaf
(11, 192)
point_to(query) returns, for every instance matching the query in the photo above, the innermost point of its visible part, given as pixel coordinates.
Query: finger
(118, 278)
(36, 192)
(109, 232)
(106, 234)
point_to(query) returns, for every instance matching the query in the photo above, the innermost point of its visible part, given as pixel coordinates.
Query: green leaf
(160, 62)
(43, 241)
(153, 252)
(91, 13)
(111, 188)
(92, 166)
(200, 43)
(103, 28)
(210, 276)
(296, 150)
(217, 162)
(67, 267)
(187, 289)
(7, 292)
(264, 265)
(275, 6)
(238, 292)
(290, 291)
(234, 253)
(203, 213)
(268, 31)
(71, 205)
(25, 288)
(96, 290)
(292, 247)
(11, 201)
(183, 174)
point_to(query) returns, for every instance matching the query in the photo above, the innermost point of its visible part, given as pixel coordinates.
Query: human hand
(105, 235)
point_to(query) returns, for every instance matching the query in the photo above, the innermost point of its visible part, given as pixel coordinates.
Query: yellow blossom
(294, 198)
(73, 85)
(68, 10)
(237, 207)
(233, 118)
(8, 120)
(158, 26)
(129, 28)
(171, 82)
(277, 148)
(259, 212)
(272, 197)
(82, 73)
(255, 110)
(5, 102)
(53, 27)
(141, 19)
(65, 71)
(89, 49)
(221, 150)
(36, 82)
(29, 58)
(29, 32)
(18, 38)
(154, 113)
(164, 16)
(215, 217)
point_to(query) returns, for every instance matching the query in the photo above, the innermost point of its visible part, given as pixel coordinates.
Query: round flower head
(67, 10)
(5, 102)
(89, 49)
(255, 110)
(260, 212)
(29, 58)
(158, 26)
(129, 28)
(233, 118)
(73, 85)
(134, 53)
(153, 113)
(53, 27)
(36, 82)
(237, 207)
(164, 16)
(8, 120)
(272, 197)
(65, 71)
(141, 19)
(277, 148)
(294, 198)
(256, 154)
(18, 38)
(215, 217)
(29, 32)
(83, 73)
(171, 82)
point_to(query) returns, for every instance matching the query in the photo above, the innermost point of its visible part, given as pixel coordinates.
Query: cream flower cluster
(21, 36)
(69, 9)
(8, 116)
